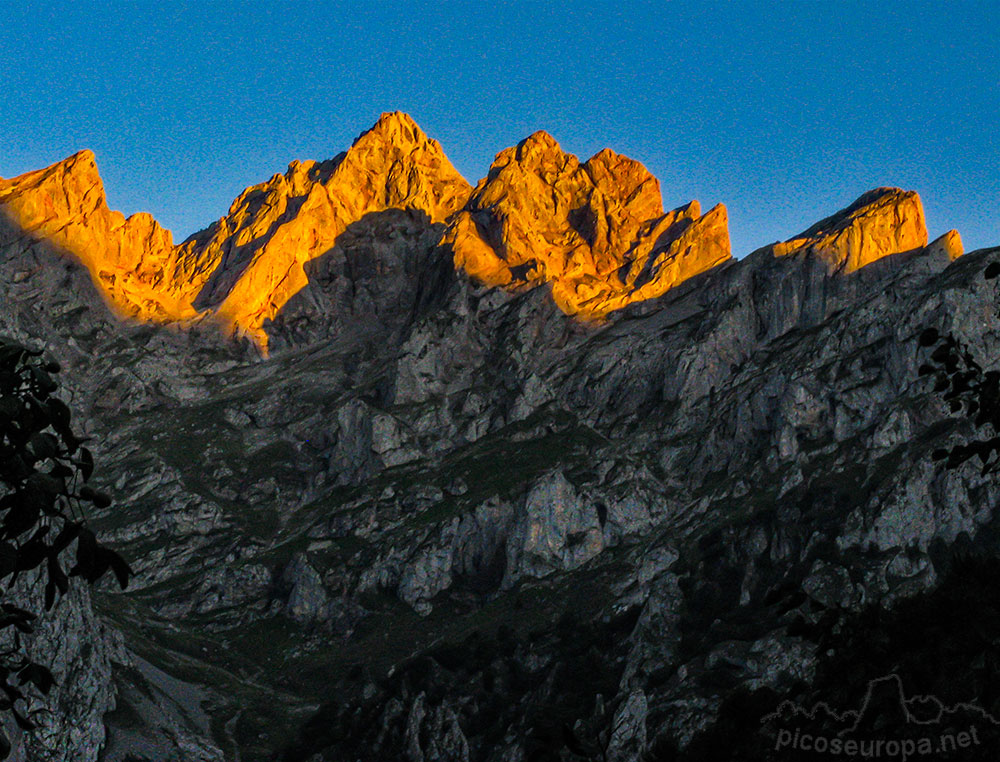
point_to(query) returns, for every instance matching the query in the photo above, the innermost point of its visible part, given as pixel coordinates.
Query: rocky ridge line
(595, 232)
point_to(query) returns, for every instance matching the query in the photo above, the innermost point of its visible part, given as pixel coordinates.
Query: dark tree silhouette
(44, 468)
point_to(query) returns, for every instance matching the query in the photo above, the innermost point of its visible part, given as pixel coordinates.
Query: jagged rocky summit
(242, 270)
(538, 440)
(596, 231)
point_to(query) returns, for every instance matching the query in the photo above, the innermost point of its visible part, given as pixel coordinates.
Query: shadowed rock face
(462, 491)
(596, 231)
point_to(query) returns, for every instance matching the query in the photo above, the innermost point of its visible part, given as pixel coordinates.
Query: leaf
(10, 355)
(8, 559)
(68, 533)
(22, 516)
(62, 472)
(122, 571)
(10, 608)
(941, 354)
(85, 462)
(10, 407)
(102, 564)
(86, 549)
(56, 575)
(31, 554)
(9, 382)
(38, 676)
(43, 383)
(58, 412)
(47, 485)
(929, 337)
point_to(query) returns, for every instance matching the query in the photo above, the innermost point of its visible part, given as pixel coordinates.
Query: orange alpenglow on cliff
(880, 223)
(244, 268)
(595, 232)
(276, 227)
(133, 261)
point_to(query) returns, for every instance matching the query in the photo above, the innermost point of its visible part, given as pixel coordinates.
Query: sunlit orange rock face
(132, 261)
(258, 250)
(948, 245)
(881, 222)
(595, 231)
(244, 268)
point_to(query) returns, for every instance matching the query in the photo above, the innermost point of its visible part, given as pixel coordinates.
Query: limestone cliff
(132, 261)
(274, 228)
(244, 268)
(881, 222)
(596, 231)
(612, 527)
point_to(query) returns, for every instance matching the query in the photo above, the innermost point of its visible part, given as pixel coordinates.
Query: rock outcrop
(494, 532)
(595, 231)
(882, 222)
(242, 270)
(132, 261)
(948, 245)
(261, 247)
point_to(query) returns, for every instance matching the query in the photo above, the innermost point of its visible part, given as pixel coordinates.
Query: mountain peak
(128, 260)
(948, 245)
(260, 249)
(879, 223)
(81, 166)
(83, 163)
(537, 143)
(870, 203)
(595, 231)
(395, 128)
(72, 187)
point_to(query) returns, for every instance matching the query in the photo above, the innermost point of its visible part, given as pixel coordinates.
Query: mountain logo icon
(885, 703)
(887, 722)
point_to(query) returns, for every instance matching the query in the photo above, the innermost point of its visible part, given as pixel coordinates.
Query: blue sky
(785, 112)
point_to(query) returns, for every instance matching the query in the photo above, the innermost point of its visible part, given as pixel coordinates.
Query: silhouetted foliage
(44, 469)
